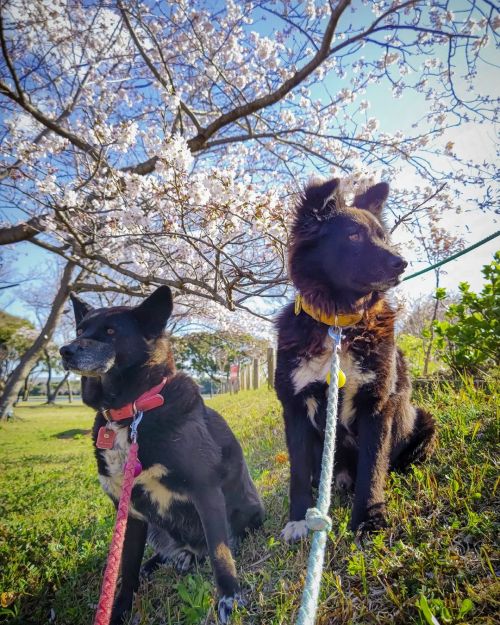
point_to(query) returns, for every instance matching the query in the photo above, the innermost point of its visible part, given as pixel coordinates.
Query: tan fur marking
(150, 479)
(312, 407)
(159, 494)
(406, 418)
(225, 558)
(158, 354)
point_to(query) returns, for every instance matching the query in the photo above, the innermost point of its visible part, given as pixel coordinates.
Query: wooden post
(270, 368)
(255, 373)
(242, 378)
(248, 380)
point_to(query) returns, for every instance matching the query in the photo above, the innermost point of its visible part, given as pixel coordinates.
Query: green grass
(437, 558)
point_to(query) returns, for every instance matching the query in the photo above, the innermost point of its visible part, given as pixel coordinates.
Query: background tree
(163, 143)
(469, 336)
(30, 357)
(52, 362)
(437, 244)
(16, 335)
(209, 354)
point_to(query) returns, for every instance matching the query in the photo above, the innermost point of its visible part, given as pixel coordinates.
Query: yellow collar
(339, 320)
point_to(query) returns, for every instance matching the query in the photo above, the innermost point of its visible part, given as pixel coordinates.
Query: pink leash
(131, 470)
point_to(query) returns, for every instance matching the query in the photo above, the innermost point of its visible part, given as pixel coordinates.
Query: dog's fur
(341, 261)
(194, 495)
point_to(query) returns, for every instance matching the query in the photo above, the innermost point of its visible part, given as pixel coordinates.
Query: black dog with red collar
(194, 494)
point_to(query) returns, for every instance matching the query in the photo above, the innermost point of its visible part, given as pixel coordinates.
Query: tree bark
(26, 386)
(49, 374)
(70, 391)
(31, 356)
(22, 231)
(431, 329)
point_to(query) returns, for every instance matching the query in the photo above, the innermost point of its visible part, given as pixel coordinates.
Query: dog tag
(105, 438)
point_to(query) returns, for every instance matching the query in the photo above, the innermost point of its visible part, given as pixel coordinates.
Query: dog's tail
(421, 443)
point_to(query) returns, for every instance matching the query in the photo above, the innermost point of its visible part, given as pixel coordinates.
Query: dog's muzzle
(87, 357)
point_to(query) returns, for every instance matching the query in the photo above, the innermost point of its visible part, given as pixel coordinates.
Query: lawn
(437, 556)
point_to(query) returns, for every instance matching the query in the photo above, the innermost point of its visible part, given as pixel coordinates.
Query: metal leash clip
(134, 425)
(335, 334)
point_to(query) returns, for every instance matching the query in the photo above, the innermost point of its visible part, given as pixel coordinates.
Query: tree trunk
(70, 391)
(31, 356)
(431, 337)
(28, 383)
(51, 399)
(49, 375)
(26, 387)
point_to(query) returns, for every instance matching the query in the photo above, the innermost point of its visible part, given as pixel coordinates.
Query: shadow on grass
(74, 433)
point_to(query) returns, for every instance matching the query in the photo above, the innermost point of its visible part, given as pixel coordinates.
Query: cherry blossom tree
(164, 142)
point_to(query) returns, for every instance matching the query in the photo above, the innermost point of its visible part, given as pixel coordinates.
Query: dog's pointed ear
(154, 311)
(321, 199)
(80, 308)
(373, 199)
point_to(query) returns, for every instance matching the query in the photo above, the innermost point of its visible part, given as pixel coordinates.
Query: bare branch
(22, 231)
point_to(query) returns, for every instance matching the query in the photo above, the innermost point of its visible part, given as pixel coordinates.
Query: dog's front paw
(294, 531)
(183, 561)
(374, 523)
(121, 609)
(226, 606)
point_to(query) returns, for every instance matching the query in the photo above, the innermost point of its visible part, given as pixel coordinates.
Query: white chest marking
(149, 479)
(315, 370)
(312, 369)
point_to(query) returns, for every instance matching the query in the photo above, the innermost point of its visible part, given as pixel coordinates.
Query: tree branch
(198, 142)
(7, 57)
(22, 231)
(50, 123)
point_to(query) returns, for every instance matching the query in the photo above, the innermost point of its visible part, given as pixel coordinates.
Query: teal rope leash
(457, 255)
(317, 519)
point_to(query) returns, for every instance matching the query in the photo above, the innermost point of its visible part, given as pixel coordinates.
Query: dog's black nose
(68, 350)
(398, 264)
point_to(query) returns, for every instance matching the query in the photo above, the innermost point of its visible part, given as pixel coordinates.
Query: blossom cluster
(164, 143)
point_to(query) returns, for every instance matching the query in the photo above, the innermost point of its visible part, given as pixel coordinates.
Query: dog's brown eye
(110, 331)
(355, 236)
(78, 332)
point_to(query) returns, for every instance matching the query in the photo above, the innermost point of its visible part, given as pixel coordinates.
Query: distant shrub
(413, 348)
(469, 337)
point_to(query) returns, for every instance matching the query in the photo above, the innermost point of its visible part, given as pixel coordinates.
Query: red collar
(147, 401)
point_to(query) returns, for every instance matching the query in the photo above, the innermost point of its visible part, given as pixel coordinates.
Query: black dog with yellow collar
(342, 263)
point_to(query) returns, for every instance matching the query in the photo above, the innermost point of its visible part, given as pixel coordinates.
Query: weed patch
(436, 560)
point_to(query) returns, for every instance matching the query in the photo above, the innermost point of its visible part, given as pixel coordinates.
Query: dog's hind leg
(243, 504)
(374, 431)
(152, 564)
(420, 444)
(168, 551)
